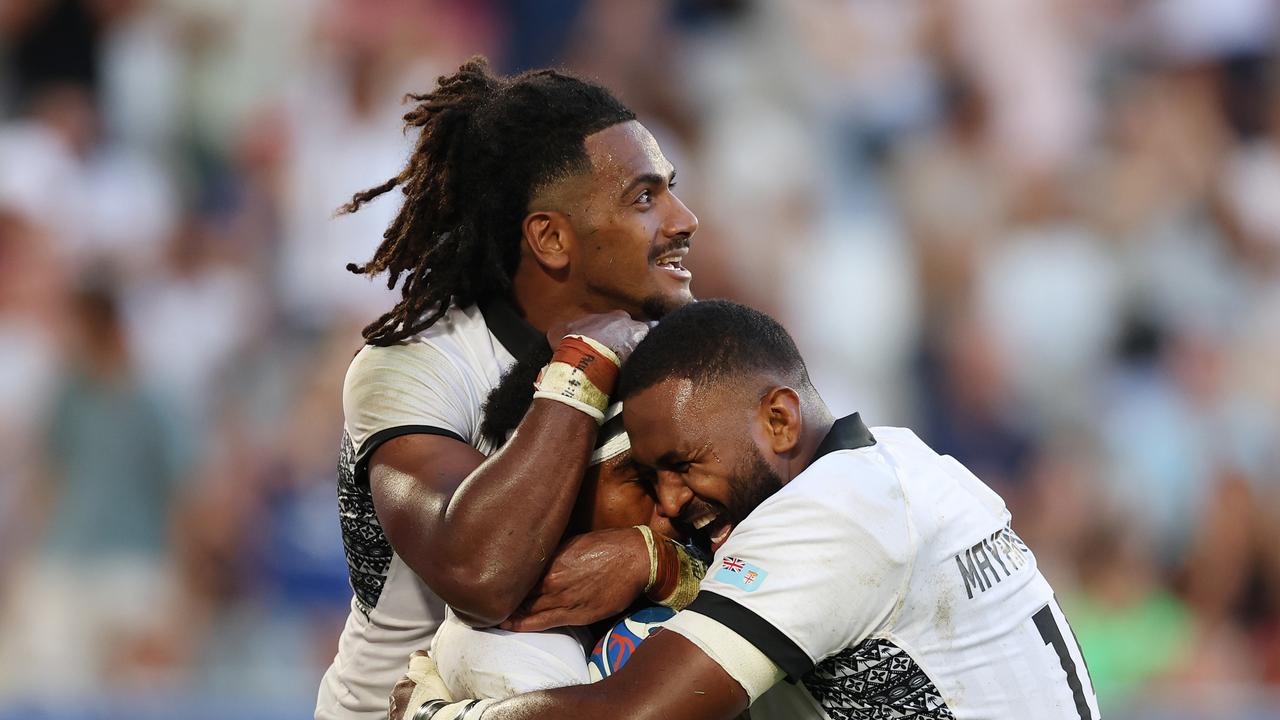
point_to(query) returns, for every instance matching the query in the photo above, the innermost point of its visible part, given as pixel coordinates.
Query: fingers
(540, 601)
(420, 666)
(399, 699)
(616, 330)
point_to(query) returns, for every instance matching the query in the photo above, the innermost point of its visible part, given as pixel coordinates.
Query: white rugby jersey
(885, 581)
(434, 383)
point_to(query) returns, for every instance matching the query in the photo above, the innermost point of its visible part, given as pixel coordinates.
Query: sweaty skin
(614, 499)
(692, 441)
(481, 532)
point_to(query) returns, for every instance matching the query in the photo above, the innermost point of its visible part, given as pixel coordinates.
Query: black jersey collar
(516, 335)
(847, 433)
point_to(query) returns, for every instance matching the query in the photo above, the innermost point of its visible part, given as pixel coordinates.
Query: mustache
(680, 242)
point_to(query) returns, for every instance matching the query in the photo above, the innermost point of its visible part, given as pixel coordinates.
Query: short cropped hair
(712, 341)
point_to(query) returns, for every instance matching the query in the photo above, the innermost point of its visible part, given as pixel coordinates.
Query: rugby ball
(614, 648)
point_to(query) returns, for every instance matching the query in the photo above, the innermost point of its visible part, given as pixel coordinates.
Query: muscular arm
(480, 532)
(668, 678)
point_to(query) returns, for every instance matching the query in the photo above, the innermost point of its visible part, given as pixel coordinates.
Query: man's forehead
(670, 398)
(626, 150)
(658, 417)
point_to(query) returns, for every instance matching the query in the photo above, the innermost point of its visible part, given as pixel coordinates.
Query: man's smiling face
(633, 231)
(705, 451)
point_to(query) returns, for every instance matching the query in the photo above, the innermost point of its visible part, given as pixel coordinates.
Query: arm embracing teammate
(878, 578)
(538, 218)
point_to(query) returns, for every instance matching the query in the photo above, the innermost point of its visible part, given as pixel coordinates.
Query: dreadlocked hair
(486, 144)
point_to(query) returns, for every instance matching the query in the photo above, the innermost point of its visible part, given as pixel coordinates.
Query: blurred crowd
(1045, 235)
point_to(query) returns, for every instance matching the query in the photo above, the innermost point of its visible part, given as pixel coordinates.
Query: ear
(549, 236)
(780, 417)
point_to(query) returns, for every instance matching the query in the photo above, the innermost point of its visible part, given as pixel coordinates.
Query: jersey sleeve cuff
(760, 633)
(375, 440)
(752, 669)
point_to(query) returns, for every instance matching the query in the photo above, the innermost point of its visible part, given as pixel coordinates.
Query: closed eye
(646, 476)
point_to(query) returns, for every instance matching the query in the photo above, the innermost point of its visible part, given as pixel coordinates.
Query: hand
(421, 684)
(615, 330)
(591, 577)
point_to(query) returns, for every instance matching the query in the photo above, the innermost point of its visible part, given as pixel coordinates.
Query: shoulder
(848, 484)
(846, 500)
(438, 378)
(442, 350)
(849, 498)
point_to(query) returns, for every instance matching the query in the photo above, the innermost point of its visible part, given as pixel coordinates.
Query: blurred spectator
(1044, 234)
(340, 131)
(30, 311)
(190, 317)
(970, 412)
(103, 201)
(99, 579)
(1134, 633)
(48, 44)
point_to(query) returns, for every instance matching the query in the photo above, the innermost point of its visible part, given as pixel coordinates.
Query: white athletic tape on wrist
(652, 547)
(581, 374)
(573, 403)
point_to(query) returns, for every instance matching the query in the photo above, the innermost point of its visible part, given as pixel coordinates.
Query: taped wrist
(461, 710)
(581, 374)
(652, 547)
(678, 575)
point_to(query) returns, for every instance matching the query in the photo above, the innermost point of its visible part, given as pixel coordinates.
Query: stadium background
(1044, 234)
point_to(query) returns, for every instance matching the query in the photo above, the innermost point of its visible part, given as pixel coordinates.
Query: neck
(544, 301)
(817, 423)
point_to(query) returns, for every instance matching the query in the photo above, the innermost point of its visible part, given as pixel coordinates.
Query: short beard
(656, 307)
(754, 481)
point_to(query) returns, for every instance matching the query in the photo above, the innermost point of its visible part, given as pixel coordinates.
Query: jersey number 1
(1047, 624)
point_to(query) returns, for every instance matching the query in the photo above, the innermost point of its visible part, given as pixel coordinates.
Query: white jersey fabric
(885, 581)
(496, 664)
(434, 383)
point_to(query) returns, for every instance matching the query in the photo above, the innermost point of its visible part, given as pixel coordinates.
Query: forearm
(667, 678)
(570, 702)
(486, 546)
(481, 531)
(587, 701)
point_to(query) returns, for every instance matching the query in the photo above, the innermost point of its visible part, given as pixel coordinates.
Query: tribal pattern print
(875, 681)
(368, 552)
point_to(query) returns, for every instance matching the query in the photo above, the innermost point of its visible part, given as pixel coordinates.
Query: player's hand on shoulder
(615, 330)
(591, 577)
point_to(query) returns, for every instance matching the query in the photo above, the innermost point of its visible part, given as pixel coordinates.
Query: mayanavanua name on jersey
(976, 565)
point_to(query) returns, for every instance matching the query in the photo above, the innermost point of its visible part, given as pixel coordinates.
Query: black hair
(486, 144)
(509, 401)
(710, 341)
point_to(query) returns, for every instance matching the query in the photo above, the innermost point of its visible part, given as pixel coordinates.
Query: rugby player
(536, 210)
(877, 577)
(488, 663)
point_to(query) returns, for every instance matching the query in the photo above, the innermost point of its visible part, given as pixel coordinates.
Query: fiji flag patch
(740, 574)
